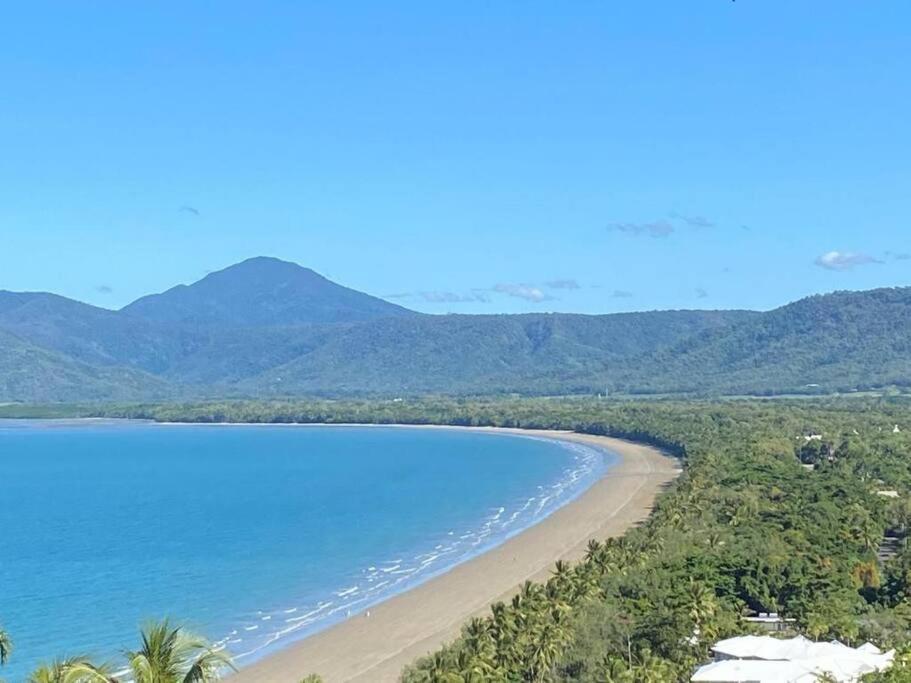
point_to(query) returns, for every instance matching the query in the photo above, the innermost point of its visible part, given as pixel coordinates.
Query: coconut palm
(701, 603)
(478, 639)
(6, 646)
(545, 649)
(169, 654)
(592, 550)
(440, 669)
(562, 571)
(71, 670)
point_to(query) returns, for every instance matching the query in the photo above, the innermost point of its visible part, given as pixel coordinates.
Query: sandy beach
(375, 649)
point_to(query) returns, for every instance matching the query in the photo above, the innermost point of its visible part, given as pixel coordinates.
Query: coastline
(411, 624)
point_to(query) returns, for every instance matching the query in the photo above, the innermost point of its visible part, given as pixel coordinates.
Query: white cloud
(520, 291)
(844, 260)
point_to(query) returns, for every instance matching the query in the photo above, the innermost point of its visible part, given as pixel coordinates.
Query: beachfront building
(771, 621)
(764, 659)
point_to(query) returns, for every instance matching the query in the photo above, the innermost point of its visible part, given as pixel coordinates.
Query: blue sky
(470, 157)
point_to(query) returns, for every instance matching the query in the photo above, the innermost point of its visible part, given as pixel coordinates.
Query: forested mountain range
(266, 327)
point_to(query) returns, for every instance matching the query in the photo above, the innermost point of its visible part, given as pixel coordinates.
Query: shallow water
(251, 535)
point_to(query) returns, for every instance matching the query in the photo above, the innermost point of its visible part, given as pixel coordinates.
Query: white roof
(763, 647)
(801, 671)
(739, 670)
(790, 649)
(761, 659)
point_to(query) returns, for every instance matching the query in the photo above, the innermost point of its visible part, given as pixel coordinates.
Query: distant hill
(262, 291)
(533, 353)
(835, 342)
(93, 335)
(266, 328)
(185, 353)
(36, 375)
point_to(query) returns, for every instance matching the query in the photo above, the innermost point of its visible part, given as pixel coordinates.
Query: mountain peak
(263, 291)
(267, 264)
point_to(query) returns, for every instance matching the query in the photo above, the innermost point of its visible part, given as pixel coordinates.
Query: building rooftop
(764, 659)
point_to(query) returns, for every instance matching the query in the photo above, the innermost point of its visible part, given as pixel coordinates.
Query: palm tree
(473, 669)
(561, 571)
(477, 636)
(592, 550)
(71, 670)
(169, 654)
(440, 669)
(544, 651)
(504, 632)
(6, 646)
(702, 605)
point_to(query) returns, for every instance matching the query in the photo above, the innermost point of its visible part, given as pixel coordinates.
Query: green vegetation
(171, 655)
(71, 670)
(777, 510)
(780, 508)
(43, 375)
(268, 329)
(841, 342)
(168, 654)
(6, 646)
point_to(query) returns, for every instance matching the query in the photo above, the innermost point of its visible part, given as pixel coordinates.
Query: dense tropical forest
(783, 506)
(266, 328)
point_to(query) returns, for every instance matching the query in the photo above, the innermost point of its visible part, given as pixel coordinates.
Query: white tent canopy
(740, 670)
(764, 659)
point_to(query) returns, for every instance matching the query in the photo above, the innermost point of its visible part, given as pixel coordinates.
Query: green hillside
(837, 342)
(535, 353)
(267, 328)
(35, 375)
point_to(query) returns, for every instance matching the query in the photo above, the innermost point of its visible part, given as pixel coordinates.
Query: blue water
(251, 535)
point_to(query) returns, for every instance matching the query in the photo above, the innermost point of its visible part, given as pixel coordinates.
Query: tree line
(782, 507)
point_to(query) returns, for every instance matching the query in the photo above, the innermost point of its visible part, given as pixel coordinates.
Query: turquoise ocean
(252, 535)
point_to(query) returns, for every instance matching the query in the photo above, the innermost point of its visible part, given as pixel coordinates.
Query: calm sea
(251, 535)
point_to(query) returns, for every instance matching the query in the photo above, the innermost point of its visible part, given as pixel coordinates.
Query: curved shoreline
(415, 622)
(590, 465)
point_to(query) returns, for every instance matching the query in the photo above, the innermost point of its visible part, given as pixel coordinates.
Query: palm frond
(6, 646)
(171, 654)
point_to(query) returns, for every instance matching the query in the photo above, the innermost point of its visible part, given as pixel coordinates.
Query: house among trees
(771, 621)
